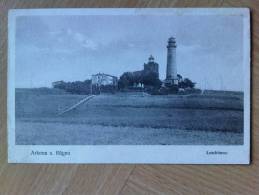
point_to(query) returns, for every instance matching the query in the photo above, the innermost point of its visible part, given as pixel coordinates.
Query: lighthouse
(171, 69)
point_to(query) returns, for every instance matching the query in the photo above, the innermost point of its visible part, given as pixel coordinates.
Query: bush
(186, 83)
(148, 78)
(77, 87)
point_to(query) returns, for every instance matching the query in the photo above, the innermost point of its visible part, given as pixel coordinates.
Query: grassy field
(208, 119)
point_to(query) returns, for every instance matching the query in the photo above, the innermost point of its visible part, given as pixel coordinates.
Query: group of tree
(186, 83)
(84, 87)
(77, 87)
(149, 79)
(145, 78)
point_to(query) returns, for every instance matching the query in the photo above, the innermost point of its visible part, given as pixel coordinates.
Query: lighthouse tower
(171, 69)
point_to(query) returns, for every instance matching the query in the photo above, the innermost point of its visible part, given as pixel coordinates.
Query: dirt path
(76, 105)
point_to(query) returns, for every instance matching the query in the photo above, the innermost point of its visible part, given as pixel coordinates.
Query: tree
(186, 83)
(125, 80)
(150, 79)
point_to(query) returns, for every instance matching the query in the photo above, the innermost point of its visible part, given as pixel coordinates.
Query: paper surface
(129, 86)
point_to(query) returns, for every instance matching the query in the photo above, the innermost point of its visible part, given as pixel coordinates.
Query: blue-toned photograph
(129, 79)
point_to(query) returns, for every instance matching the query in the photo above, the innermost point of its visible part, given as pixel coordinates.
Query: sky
(69, 48)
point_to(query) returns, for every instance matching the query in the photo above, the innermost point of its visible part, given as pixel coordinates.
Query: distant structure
(171, 68)
(102, 79)
(151, 66)
(57, 83)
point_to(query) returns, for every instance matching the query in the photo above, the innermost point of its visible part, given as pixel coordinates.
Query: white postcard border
(175, 154)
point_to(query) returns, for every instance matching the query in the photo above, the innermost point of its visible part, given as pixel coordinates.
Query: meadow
(129, 118)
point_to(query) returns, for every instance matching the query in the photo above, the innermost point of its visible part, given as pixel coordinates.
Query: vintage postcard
(129, 86)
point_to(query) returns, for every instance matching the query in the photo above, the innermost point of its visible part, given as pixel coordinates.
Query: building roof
(151, 58)
(171, 42)
(103, 74)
